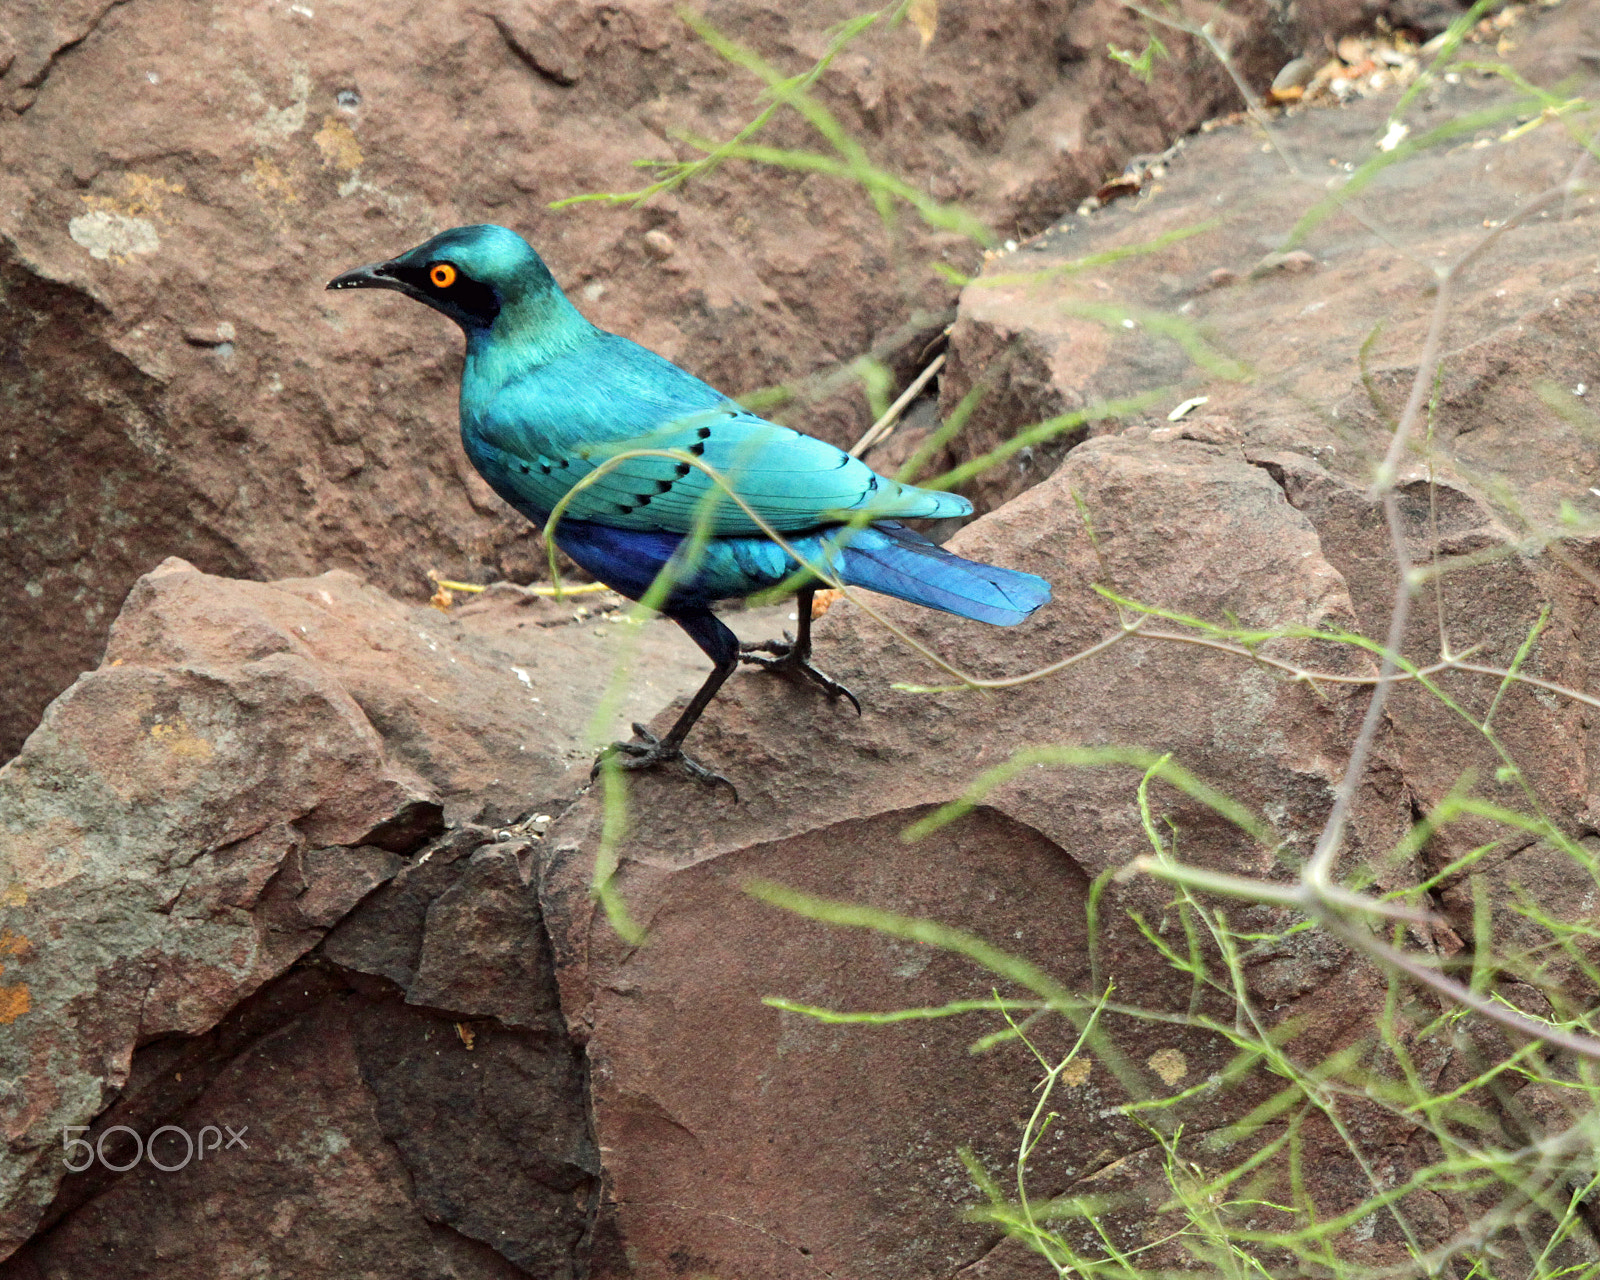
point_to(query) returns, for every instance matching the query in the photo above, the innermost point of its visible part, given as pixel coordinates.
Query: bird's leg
(721, 645)
(792, 654)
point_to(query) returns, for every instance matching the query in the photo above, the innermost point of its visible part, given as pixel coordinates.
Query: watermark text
(169, 1148)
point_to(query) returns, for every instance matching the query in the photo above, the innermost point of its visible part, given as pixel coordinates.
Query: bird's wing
(553, 431)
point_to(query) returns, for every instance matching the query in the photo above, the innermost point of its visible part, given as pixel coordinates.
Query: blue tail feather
(884, 557)
(890, 558)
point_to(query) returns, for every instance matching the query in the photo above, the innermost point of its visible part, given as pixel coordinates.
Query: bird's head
(470, 274)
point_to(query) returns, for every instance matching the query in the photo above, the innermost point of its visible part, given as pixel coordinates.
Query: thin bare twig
(880, 430)
(1318, 871)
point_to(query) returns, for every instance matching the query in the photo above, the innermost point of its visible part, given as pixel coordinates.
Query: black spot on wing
(663, 485)
(683, 469)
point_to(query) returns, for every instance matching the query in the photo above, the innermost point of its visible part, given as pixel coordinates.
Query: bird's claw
(788, 661)
(651, 752)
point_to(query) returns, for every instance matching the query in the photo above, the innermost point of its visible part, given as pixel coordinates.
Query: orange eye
(442, 274)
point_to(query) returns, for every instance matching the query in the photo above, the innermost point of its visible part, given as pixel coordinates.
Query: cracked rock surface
(250, 762)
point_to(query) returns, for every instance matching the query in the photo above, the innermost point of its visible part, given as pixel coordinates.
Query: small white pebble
(1581, 389)
(522, 676)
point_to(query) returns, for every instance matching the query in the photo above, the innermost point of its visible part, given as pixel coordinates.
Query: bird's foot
(650, 753)
(789, 661)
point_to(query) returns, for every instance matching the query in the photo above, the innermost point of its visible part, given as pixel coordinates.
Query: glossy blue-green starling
(547, 399)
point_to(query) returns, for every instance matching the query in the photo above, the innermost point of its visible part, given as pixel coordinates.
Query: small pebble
(1296, 74)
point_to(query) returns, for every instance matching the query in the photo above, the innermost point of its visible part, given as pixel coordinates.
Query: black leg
(722, 647)
(793, 653)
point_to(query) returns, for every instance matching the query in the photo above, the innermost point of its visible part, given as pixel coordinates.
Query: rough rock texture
(248, 764)
(186, 823)
(838, 1149)
(743, 1140)
(405, 1107)
(489, 706)
(224, 903)
(1330, 338)
(1047, 338)
(177, 182)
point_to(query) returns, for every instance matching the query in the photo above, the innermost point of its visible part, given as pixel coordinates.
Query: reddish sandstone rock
(753, 1141)
(759, 1142)
(1046, 339)
(187, 822)
(249, 763)
(490, 705)
(423, 1030)
(382, 1133)
(1330, 349)
(1254, 508)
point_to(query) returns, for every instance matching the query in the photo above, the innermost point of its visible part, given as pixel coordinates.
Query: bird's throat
(532, 330)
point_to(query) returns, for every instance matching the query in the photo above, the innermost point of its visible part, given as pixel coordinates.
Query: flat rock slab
(1320, 309)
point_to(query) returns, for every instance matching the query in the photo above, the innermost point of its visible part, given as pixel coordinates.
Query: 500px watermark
(80, 1153)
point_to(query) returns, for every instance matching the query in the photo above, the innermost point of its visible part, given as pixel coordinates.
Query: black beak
(378, 275)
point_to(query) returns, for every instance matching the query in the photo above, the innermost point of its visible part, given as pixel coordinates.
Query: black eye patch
(465, 299)
(474, 298)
